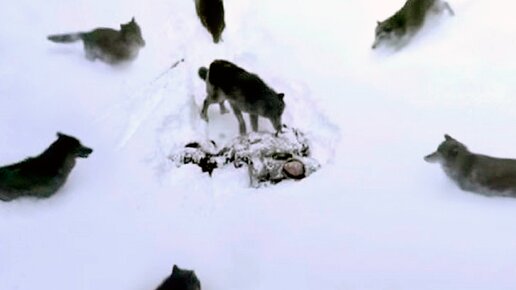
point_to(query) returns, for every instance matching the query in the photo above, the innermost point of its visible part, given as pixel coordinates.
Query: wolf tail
(65, 38)
(203, 73)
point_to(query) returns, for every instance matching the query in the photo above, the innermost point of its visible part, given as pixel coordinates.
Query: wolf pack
(245, 92)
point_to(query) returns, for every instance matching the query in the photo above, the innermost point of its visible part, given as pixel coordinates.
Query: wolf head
(132, 32)
(386, 31)
(449, 152)
(70, 145)
(181, 280)
(277, 111)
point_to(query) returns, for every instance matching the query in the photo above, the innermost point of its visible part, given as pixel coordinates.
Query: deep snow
(375, 216)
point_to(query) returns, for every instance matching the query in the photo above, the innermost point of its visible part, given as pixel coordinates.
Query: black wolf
(474, 172)
(43, 175)
(211, 13)
(181, 280)
(109, 45)
(244, 91)
(407, 21)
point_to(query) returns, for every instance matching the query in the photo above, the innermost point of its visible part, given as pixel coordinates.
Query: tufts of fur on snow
(264, 153)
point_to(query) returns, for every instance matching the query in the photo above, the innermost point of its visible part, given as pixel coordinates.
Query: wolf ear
(175, 269)
(281, 96)
(448, 137)
(60, 135)
(132, 20)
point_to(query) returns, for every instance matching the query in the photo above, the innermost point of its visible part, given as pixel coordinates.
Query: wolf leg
(448, 8)
(276, 123)
(240, 118)
(90, 53)
(254, 121)
(204, 111)
(440, 6)
(223, 109)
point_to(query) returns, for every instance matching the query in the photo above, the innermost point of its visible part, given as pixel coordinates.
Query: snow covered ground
(375, 216)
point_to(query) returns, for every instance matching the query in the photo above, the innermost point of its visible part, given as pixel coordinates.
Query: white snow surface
(375, 216)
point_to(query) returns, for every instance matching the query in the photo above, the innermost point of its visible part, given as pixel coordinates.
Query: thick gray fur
(44, 175)
(407, 21)
(245, 92)
(109, 45)
(211, 14)
(475, 172)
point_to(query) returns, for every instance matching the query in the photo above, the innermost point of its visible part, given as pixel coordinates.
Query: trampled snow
(375, 216)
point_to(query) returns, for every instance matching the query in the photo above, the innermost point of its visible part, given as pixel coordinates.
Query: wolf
(181, 280)
(407, 21)
(106, 44)
(45, 174)
(244, 91)
(211, 14)
(475, 172)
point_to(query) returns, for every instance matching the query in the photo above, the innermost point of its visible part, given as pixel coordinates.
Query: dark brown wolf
(211, 14)
(244, 91)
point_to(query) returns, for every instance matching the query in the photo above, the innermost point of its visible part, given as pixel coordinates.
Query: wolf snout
(375, 43)
(84, 152)
(432, 158)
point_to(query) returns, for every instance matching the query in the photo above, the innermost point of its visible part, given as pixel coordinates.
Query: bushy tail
(65, 38)
(203, 73)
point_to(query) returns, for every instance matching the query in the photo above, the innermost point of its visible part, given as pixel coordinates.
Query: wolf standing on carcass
(244, 91)
(44, 175)
(474, 172)
(109, 45)
(407, 21)
(211, 14)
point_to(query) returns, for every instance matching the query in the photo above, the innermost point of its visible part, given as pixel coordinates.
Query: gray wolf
(474, 172)
(407, 21)
(109, 45)
(181, 279)
(45, 174)
(211, 13)
(244, 91)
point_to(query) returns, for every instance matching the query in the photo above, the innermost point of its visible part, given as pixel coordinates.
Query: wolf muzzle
(84, 152)
(432, 158)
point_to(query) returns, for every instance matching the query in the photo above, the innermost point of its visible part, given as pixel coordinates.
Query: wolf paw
(204, 117)
(224, 110)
